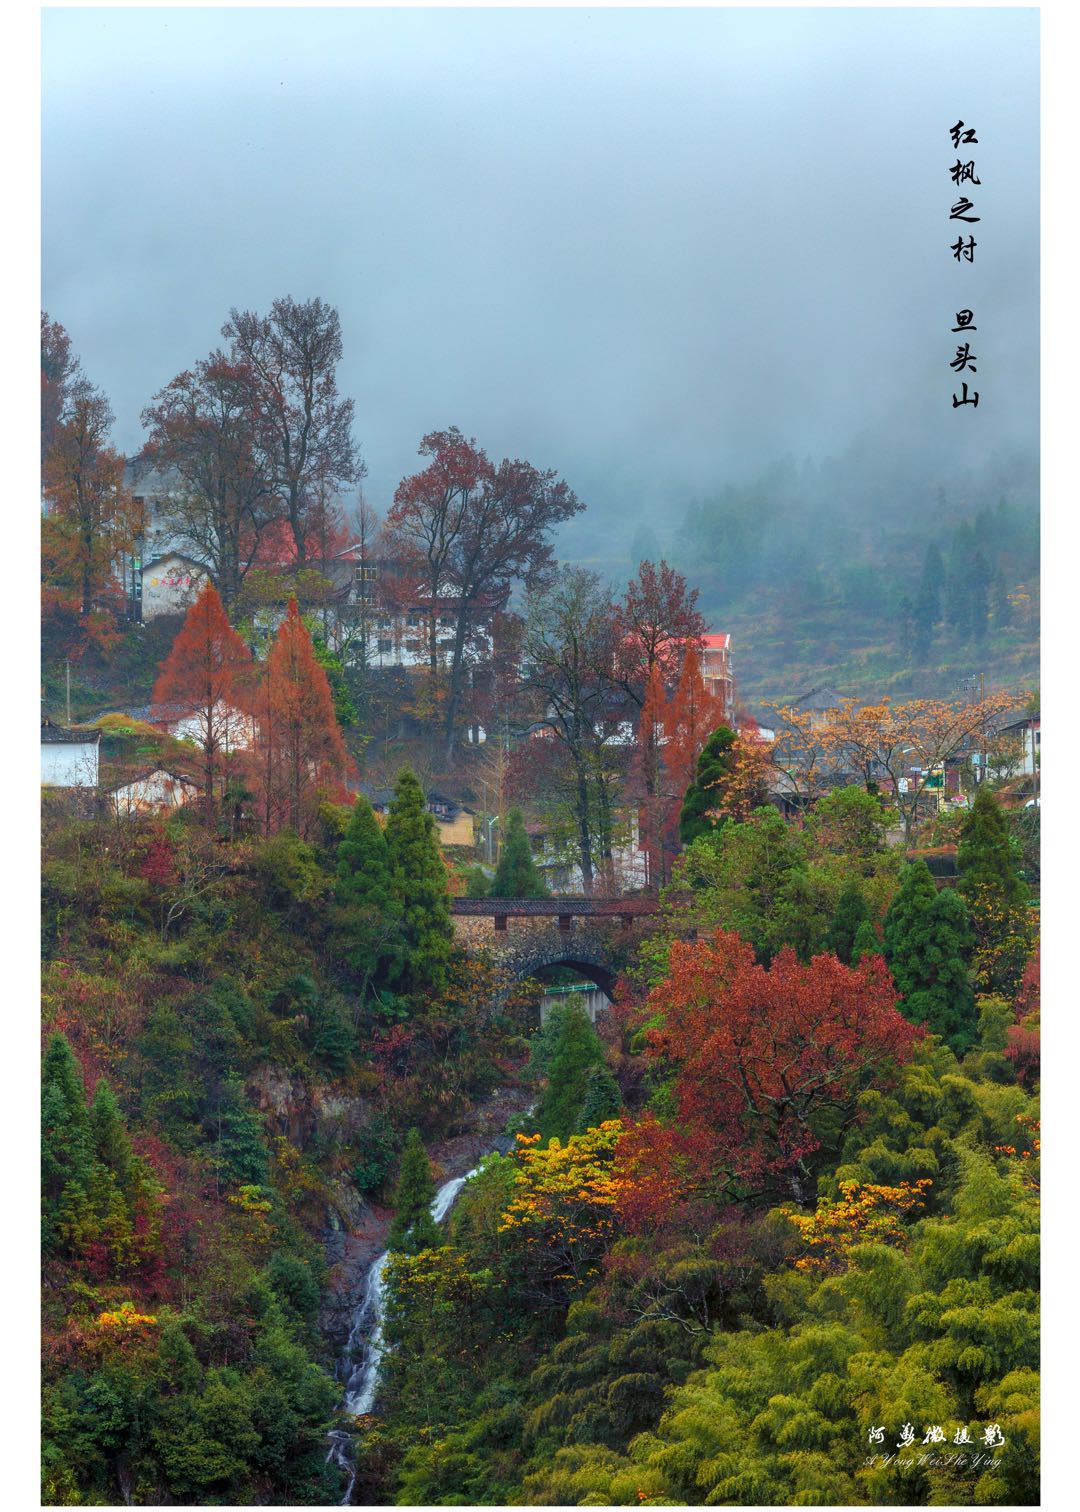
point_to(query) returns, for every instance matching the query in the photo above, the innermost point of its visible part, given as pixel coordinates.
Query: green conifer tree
(517, 875)
(66, 1146)
(986, 853)
(240, 1153)
(866, 942)
(369, 911)
(577, 1051)
(713, 765)
(413, 1228)
(996, 895)
(928, 941)
(112, 1147)
(851, 911)
(420, 886)
(602, 1101)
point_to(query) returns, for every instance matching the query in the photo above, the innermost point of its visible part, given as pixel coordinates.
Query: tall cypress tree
(713, 766)
(996, 895)
(866, 942)
(420, 886)
(928, 941)
(517, 875)
(369, 909)
(66, 1145)
(112, 1147)
(851, 911)
(413, 1228)
(985, 855)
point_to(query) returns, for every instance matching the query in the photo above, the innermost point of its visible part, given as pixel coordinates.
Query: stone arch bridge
(529, 936)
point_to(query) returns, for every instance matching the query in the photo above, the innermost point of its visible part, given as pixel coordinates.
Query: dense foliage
(805, 1240)
(222, 1091)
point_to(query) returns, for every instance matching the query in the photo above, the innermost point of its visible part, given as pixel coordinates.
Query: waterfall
(362, 1378)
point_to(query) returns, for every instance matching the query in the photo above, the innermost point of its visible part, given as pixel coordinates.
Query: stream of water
(361, 1366)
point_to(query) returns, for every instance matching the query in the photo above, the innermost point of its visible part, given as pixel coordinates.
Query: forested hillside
(225, 1093)
(873, 575)
(783, 1197)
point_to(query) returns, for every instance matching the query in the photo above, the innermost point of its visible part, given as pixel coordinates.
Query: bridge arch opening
(568, 969)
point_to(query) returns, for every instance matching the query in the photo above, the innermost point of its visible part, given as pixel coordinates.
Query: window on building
(385, 645)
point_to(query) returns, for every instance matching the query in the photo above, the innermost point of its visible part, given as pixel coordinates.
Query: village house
(153, 790)
(821, 704)
(556, 855)
(169, 584)
(716, 670)
(1027, 731)
(234, 729)
(69, 757)
(456, 822)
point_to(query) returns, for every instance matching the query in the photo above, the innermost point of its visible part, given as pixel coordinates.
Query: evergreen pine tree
(66, 1145)
(986, 854)
(413, 1228)
(577, 1051)
(241, 1153)
(851, 911)
(866, 942)
(928, 940)
(603, 1099)
(369, 909)
(112, 1147)
(713, 766)
(516, 875)
(996, 895)
(477, 883)
(420, 886)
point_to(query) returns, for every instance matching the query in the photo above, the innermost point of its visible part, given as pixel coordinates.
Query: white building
(152, 791)
(716, 670)
(170, 584)
(69, 758)
(1028, 732)
(232, 729)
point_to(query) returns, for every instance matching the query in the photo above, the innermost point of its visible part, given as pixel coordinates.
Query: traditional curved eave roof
(53, 734)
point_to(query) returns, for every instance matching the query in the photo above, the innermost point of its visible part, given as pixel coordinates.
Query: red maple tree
(300, 755)
(763, 1058)
(204, 683)
(656, 623)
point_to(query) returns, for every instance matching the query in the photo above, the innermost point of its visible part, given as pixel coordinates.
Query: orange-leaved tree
(300, 752)
(689, 719)
(92, 519)
(204, 683)
(908, 744)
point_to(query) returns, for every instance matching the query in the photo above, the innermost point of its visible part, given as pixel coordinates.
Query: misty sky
(651, 249)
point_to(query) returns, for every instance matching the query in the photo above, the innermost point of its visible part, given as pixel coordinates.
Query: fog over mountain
(655, 250)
